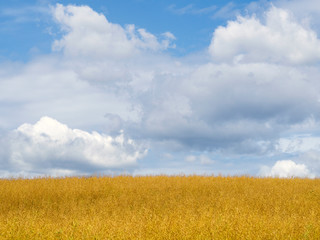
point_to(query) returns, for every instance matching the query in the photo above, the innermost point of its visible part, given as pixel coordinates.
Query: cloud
(90, 34)
(303, 149)
(49, 146)
(202, 159)
(286, 169)
(303, 9)
(182, 10)
(279, 40)
(190, 158)
(298, 144)
(191, 9)
(232, 107)
(234, 104)
(50, 85)
(226, 12)
(24, 14)
(257, 87)
(240, 108)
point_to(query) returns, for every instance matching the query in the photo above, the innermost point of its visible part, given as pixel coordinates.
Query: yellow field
(160, 207)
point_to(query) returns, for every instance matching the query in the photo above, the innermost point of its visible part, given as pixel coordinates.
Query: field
(160, 207)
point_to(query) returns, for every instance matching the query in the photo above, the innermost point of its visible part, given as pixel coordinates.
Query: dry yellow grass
(160, 207)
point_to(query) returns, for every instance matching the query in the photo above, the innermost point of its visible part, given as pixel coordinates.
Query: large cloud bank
(49, 145)
(254, 88)
(244, 98)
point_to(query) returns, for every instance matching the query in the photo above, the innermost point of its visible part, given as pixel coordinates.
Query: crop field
(160, 207)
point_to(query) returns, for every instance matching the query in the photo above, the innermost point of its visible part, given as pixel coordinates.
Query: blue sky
(159, 87)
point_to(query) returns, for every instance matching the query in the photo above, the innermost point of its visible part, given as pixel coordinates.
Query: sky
(159, 87)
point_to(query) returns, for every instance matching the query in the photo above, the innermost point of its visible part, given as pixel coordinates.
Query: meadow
(160, 207)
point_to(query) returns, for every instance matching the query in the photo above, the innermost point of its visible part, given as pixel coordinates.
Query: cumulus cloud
(90, 34)
(49, 146)
(280, 39)
(286, 169)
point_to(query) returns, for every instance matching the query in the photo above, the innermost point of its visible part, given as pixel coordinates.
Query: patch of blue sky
(24, 30)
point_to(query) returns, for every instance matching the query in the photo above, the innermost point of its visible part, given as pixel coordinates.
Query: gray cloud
(227, 106)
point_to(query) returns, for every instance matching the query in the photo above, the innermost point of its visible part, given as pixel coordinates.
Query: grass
(160, 207)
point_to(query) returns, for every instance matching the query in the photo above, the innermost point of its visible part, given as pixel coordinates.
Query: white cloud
(90, 34)
(190, 158)
(226, 12)
(202, 159)
(191, 9)
(205, 160)
(49, 146)
(50, 86)
(286, 169)
(303, 9)
(279, 40)
(298, 144)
